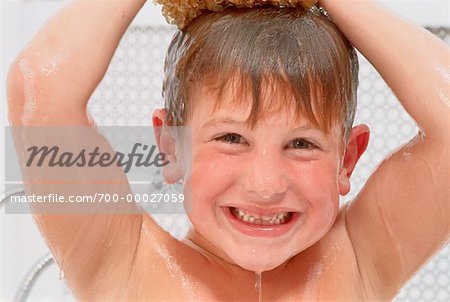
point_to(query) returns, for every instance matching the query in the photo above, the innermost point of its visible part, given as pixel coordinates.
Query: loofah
(182, 12)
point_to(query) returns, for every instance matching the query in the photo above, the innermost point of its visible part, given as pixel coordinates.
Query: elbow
(37, 93)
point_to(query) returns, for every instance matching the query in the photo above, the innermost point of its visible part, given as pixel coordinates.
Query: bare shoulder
(330, 268)
(401, 216)
(161, 265)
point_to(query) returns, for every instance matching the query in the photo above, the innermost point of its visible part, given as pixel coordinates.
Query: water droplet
(170, 264)
(406, 155)
(258, 285)
(62, 276)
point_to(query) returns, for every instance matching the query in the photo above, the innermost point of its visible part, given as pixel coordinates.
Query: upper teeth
(263, 220)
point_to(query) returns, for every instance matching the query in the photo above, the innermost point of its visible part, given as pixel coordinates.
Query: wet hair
(298, 54)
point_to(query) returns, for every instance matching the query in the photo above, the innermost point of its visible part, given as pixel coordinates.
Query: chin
(259, 267)
(258, 260)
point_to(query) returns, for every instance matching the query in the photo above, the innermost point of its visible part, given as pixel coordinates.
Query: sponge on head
(182, 12)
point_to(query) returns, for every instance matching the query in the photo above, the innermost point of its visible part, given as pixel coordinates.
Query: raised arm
(49, 84)
(65, 61)
(402, 215)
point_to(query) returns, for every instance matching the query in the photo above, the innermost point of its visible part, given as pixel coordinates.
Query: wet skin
(327, 271)
(281, 164)
(395, 224)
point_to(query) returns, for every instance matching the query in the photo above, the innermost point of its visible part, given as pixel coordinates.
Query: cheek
(318, 185)
(211, 175)
(212, 172)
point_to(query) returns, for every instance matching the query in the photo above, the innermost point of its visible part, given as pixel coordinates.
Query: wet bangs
(265, 93)
(289, 59)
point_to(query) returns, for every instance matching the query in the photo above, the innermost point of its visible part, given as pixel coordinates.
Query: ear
(166, 142)
(357, 144)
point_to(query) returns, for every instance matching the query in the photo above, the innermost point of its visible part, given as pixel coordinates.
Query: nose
(265, 177)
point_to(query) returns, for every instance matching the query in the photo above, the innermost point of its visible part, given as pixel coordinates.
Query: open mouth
(266, 223)
(256, 219)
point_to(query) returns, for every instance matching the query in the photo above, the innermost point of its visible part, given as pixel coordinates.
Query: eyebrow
(215, 122)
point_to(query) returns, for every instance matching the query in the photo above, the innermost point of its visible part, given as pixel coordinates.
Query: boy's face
(260, 196)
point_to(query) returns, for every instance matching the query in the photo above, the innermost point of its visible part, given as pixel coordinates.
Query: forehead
(235, 101)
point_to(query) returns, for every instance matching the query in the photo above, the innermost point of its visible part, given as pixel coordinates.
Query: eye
(231, 138)
(301, 143)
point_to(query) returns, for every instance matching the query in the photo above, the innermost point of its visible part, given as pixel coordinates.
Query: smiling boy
(273, 147)
(266, 130)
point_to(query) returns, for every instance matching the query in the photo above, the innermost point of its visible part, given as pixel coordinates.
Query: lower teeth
(258, 221)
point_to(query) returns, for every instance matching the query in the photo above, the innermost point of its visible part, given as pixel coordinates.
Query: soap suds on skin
(443, 72)
(443, 96)
(188, 285)
(315, 272)
(445, 75)
(30, 107)
(51, 66)
(312, 288)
